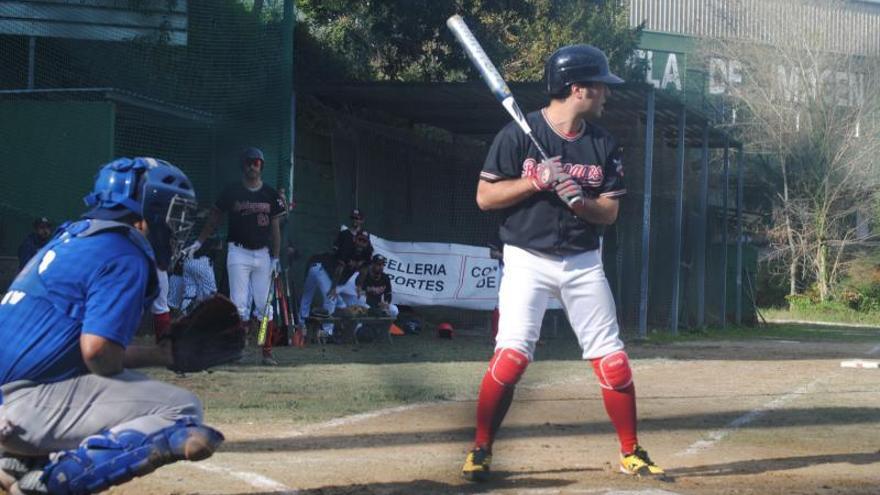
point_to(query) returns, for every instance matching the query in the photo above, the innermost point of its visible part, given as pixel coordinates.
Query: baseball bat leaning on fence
(298, 339)
(264, 324)
(494, 80)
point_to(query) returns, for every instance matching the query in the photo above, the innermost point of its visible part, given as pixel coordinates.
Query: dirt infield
(753, 417)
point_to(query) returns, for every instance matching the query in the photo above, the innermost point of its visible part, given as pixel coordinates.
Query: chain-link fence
(206, 80)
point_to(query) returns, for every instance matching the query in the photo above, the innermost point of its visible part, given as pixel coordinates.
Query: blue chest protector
(92, 273)
(35, 286)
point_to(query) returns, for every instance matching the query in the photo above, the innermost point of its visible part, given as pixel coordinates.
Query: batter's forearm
(599, 211)
(142, 356)
(504, 193)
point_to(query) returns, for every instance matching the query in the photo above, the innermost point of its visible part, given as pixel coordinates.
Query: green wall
(49, 153)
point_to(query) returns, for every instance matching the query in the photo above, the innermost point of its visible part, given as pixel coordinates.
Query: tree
(810, 114)
(407, 40)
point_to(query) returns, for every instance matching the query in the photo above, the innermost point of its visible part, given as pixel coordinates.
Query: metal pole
(646, 214)
(725, 184)
(679, 216)
(739, 234)
(701, 230)
(32, 55)
(287, 51)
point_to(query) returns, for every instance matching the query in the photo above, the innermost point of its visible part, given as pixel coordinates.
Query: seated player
(376, 287)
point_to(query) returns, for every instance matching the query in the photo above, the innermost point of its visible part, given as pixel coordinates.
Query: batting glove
(190, 250)
(568, 190)
(546, 174)
(276, 265)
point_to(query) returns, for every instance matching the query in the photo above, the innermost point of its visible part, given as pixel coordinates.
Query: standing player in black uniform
(552, 215)
(255, 211)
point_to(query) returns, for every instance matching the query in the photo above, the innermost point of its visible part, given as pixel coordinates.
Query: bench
(346, 325)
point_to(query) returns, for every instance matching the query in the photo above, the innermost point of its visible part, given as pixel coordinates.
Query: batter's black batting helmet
(576, 63)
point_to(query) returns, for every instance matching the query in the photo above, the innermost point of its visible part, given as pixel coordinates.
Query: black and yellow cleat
(639, 464)
(476, 466)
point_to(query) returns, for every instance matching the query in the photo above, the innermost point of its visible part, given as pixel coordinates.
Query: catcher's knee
(110, 459)
(185, 404)
(507, 366)
(613, 370)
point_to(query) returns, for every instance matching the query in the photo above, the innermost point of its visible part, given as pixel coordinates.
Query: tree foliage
(812, 116)
(407, 40)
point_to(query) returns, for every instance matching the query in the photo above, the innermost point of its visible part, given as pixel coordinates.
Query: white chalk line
(822, 323)
(716, 436)
(589, 491)
(253, 479)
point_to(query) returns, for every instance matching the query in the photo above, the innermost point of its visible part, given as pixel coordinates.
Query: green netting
(196, 105)
(417, 188)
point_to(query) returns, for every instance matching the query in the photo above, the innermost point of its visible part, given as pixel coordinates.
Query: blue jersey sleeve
(115, 300)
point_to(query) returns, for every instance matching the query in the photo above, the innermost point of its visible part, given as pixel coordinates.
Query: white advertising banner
(439, 274)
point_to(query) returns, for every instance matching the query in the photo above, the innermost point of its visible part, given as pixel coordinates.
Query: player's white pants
(175, 291)
(199, 283)
(160, 304)
(578, 281)
(250, 274)
(348, 293)
(317, 280)
(393, 310)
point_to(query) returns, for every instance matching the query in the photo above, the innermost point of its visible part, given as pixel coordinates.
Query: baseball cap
(378, 258)
(252, 154)
(42, 221)
(357, 214)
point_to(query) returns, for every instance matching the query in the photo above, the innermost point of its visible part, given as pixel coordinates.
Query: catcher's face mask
(180, 220)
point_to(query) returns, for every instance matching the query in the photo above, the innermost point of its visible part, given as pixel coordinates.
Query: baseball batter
(67, 324)
(254, 211)
(552, 213)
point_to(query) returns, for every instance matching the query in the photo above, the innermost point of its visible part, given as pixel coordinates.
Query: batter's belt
(252, 247)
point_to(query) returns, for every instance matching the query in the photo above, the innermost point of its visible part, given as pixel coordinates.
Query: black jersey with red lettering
(354, 251)
(543, 222)
(376, 287)
(250, 213)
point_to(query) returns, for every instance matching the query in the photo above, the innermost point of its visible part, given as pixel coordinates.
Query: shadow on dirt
(500, 481)
(757, 466)
(787, 418)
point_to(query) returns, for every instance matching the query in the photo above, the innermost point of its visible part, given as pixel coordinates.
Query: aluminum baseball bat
(264, 324)
(491, 76)
(494, 80)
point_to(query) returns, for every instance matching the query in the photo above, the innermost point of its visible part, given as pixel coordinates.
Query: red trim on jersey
(564, 135)
(614, 194)
(490, 177)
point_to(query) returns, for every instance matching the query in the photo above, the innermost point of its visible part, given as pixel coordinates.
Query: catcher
(67, 324)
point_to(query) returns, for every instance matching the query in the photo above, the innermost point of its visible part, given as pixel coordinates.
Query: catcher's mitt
(210, 335)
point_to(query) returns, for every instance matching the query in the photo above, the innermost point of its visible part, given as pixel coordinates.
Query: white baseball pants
(250, 277)
(578, 281)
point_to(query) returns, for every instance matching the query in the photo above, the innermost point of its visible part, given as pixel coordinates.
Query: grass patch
(781, 331)
(320, 383)
(823, 314)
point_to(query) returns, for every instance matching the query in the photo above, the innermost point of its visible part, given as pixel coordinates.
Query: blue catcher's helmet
(150, 189)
